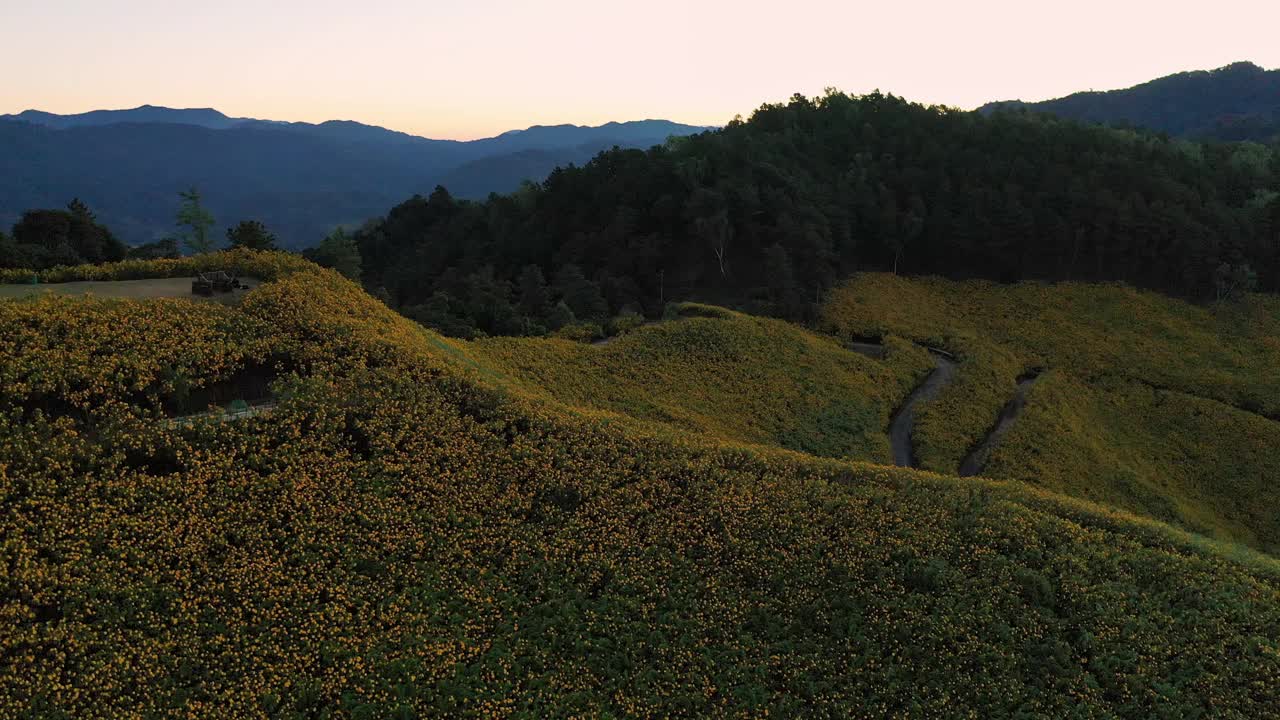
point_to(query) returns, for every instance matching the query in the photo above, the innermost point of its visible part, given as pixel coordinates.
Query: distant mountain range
(1237, 102)
(301, 179)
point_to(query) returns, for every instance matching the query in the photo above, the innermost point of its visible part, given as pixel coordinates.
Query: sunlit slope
(730, 376)
(396, 538)
(1146, 403)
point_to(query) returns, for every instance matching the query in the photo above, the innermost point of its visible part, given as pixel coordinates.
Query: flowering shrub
(582, 332)
(412, 532)
(252, 263)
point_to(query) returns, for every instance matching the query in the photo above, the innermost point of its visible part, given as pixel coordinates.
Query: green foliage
(489, 304)
(560, 316)
(580, 332)
(769, 213)
(166, 248)
(533, 293)
(445, 314)
(196, 221)
(46, 238)
(581, 295)
(625, 323)
(338, 251)
(251, 234)
(410, 532)
(1234, 282)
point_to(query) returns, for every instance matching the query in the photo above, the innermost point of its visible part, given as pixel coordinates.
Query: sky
(475, 68)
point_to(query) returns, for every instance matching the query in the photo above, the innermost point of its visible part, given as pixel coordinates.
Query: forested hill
(1237, 102)
(770, 212)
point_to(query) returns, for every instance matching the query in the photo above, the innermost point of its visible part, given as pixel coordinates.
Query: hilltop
(771, 212)
(1237, 102)
(414, 527)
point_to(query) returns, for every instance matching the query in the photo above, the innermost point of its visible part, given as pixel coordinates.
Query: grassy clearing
(136, 289)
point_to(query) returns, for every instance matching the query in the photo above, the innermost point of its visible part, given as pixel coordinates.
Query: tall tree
(196, 220)
(45, 238)
(338, 251)
(581, 295)
(533, 292)
(251, 234)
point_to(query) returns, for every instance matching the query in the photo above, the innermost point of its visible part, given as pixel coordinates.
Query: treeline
(769, 213)
(44, 239)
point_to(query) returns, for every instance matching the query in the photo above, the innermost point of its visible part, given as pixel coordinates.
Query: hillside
(708, 375)
(1237, 102)
(411, 530)
(300, 179)
(1142, 402)
(769, 213)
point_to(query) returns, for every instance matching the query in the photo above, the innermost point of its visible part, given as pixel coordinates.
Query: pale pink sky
(474, 68)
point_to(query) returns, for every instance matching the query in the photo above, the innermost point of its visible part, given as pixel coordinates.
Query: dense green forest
(770, 212)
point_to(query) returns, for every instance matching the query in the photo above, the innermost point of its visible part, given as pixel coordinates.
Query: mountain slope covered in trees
(300, 179)
(1236, 102)
(771, 212)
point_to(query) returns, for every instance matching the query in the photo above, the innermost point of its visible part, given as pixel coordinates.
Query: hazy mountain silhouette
(204, 117)
(301, 179)
(1237, 102)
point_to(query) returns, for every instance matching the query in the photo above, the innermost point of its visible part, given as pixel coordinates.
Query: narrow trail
(977, 459)
(905, 419)
(220, 415)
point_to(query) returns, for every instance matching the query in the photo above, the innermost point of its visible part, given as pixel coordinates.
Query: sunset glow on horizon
(476, 69)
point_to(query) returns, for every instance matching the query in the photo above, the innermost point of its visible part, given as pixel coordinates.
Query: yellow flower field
(418, 529)
(1150, 404)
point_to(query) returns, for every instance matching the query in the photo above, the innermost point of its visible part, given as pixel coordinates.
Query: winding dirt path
(977, 459)
(905, 419)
